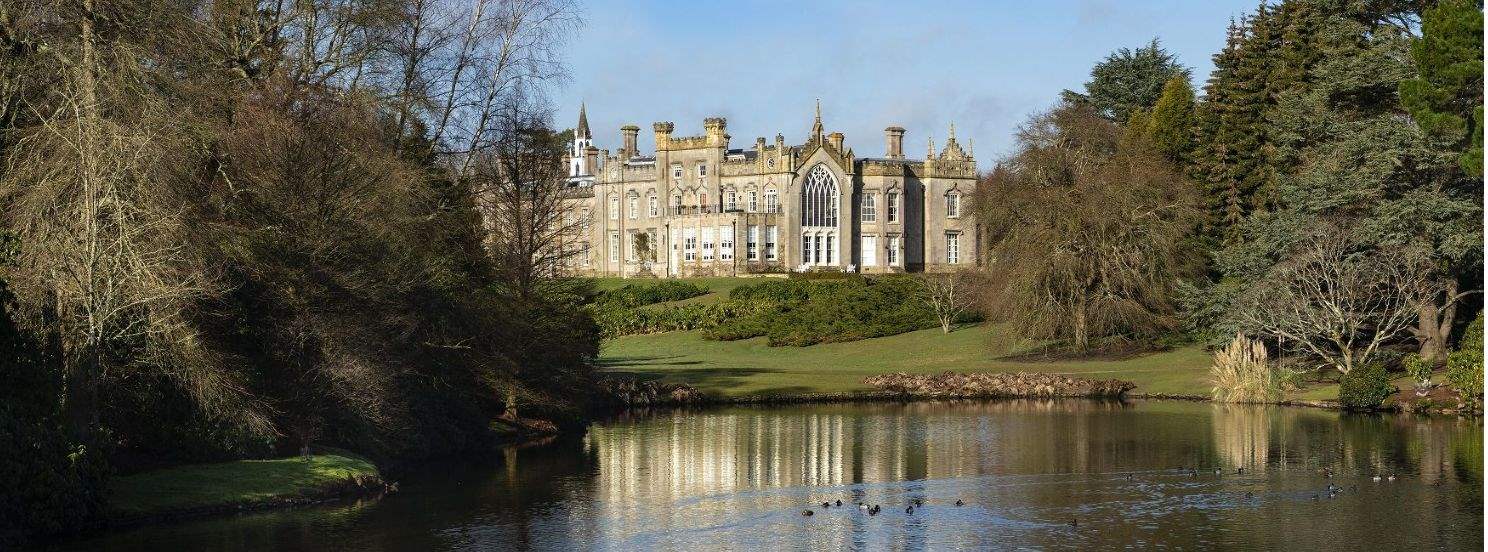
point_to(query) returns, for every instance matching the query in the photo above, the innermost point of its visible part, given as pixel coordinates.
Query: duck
(918, 502)
(874, 510)
(1240, 470)
(1391, 477)
(862, 506)
(826, 505)
(1074, 521)
(909, 510)
(839, 502)
(1376, 479)
(959, 503)
(1216, 471)
(808, 513)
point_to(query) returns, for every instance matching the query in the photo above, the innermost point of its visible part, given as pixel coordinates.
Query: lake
(1067, 474)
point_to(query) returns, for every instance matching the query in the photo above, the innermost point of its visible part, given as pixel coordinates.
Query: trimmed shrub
(636, 295)
(1365, 387)
(1465, 365)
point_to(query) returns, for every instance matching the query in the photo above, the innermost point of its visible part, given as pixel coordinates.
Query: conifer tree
(1170, 126)
(1446, 100)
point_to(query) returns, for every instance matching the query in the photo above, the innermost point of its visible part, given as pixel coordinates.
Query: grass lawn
(243, 481)
(750, 367)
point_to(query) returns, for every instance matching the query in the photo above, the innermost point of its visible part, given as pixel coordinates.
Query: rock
(951, 385)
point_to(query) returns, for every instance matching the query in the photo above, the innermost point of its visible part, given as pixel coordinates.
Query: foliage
(615, 322)
(1128, 80)
(1465, 365)
(635, 295)
(1419, 369)
(807, 312)
(1087, 231)
(1241, 373)
(1446, 99)
(1170, 125)
(1365, 387)
(48, 483)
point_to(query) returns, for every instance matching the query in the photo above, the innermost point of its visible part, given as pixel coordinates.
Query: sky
(984, 66)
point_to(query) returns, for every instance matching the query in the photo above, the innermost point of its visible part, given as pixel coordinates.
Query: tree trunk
(1434, 325)
(1082, 338)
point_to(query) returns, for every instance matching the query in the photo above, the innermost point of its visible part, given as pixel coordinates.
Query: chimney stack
(836, 139)
(714, 127)
(663, 132)
(894, 136)
(628, 140)
(591, 159)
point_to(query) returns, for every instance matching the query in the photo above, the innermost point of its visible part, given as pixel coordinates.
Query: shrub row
(801, 312)
(636, 295)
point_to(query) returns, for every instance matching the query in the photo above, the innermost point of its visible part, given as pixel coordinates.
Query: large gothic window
(819, 198)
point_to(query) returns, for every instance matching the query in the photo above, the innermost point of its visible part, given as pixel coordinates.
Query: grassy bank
(750, 367)
(205, 488)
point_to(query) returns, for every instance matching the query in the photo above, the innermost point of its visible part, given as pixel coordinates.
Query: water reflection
(1041, 474)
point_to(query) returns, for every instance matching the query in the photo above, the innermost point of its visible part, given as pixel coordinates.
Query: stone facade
(697, 208)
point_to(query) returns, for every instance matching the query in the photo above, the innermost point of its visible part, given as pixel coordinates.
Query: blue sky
(985, 66)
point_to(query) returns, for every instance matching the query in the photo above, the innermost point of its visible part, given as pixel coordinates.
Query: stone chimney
(663, 132)
(714, 127)
(894, 137)
(835, 139)
(628, 140)
(591, 159)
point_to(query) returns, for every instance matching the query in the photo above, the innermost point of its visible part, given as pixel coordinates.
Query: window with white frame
(891, 202)
(652, 244)
(630, 252)
(702, 169)
(584, 221)
(725, 243)
(584, 258)
(953, 204)
(816, 249)
(653, 206)
(614, 208)
(708, 236)
(689, 244)
(730, 200)
(772, 201)
(869, 209)
(703, 202)
(614, 247)
(953, 247)
(751, 243)
(635, 207)
(677, 204)
(676, 171)
(831, 247)
(771, 234)
(869, 246)
(893, 251)
(753, 201)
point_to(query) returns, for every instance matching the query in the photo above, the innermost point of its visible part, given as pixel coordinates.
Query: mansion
(698, 208)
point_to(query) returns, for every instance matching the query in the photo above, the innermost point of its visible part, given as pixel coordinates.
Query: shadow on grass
(613, 362)
(706, 379)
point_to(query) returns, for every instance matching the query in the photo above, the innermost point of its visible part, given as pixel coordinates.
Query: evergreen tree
(1170, 126)
(1128, 80)
(1446, 100)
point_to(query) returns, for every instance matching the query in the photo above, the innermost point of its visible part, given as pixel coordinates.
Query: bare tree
(102, 262)
(948, 295)
(1336, 301)
(521, 187)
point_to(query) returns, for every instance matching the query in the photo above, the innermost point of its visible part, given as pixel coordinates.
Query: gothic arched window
(819, 198)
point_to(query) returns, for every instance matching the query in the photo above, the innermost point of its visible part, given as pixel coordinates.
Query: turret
(714, 127)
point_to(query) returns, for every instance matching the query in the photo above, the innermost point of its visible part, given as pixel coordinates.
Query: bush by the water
(636, 295)
(1241, 373)
(800, 312)
(981, 384)
(1365, 387)
(1465, 365)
